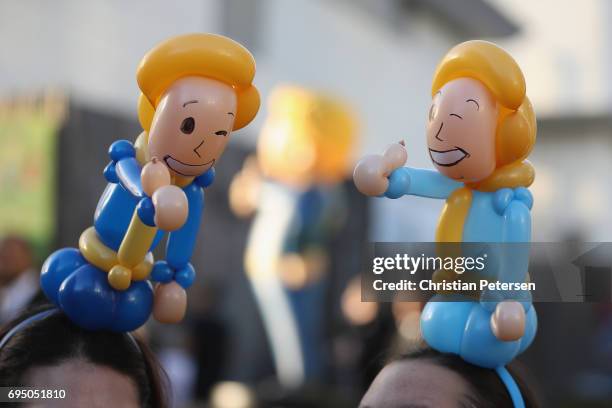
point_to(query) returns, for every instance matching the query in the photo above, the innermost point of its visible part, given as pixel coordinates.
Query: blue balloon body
(58, 266)
(82, 290)
(182, 241)
(121, 149)
(464, 328)
(132, 307)
(87, 298)
(162, 272)
(185, 276)
(83, 293)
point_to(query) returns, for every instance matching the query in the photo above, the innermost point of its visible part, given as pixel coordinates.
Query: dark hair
(486, 390)
(54, 339)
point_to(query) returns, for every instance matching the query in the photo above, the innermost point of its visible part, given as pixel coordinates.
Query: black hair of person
(54, 339)
(486, 390)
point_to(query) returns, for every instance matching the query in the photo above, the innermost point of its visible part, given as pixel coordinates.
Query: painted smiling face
(192, 124)
(461, 130)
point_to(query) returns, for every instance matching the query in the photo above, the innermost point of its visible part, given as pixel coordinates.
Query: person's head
(428, 379)
(15, 257)
(196, 89)
(480, 118)
(97, 369)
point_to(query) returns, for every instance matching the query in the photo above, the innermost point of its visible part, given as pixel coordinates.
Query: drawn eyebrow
(231, 113)
(188, 102)
(438, 93)
(477, 105)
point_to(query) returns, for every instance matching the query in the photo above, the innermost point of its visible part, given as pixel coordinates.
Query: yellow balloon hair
(208, 55)
(499, 72)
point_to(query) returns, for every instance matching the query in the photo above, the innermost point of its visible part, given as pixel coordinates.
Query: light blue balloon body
(464, 328)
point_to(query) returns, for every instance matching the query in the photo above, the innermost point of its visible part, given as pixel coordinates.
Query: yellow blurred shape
(292, 270)
(307, 138)
(299, 270)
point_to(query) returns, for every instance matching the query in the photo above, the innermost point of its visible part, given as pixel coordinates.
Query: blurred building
(378, 55)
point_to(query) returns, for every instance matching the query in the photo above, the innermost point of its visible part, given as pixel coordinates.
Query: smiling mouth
(448, 158)
(187, 169)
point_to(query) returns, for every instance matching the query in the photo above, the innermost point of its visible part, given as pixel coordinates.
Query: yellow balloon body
(120, 277)
(136, 243)
(104, 258)
(95, 251)
(143, 269)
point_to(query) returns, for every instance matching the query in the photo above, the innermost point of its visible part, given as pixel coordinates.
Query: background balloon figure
(294, 189)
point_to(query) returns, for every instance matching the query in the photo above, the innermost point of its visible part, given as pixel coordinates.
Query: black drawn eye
(221, 133)
(188, 125)
(475, 103)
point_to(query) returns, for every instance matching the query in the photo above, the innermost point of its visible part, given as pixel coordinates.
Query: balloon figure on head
(481, 127)
(196, 89)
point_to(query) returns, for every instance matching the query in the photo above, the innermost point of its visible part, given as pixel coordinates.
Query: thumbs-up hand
(371, 173)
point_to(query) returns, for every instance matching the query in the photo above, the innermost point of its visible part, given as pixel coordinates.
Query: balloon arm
(420, 182)
(128, 173)
(181, 242)
(206, 179)
(124, 168)
(514, 252)
(517, 232)
(136, 242)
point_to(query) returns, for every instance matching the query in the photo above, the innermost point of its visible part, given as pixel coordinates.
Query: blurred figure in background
(18, 277)
(294, 188)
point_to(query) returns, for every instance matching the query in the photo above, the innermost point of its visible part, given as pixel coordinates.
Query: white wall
(564, 49)
(573, 186)
(90, 48)
(383, 73)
